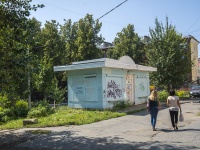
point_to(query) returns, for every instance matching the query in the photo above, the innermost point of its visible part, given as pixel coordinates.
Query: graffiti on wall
(79, 90)
(142, 84)
(141, 87)
(113, 90)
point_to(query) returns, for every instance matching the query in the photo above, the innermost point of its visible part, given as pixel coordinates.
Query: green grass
(66, 116)
(13, 124)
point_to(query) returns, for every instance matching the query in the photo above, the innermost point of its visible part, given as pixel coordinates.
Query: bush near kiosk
(21, 108)
(163, 95)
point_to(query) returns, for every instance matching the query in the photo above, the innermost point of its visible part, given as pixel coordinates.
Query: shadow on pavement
(180, 130)
(145, 112)
(69, 141)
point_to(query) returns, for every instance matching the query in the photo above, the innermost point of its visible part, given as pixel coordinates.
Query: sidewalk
(14, 137)
(123, 133)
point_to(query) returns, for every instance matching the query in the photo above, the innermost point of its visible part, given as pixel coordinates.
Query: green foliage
(56, 93)
(40, 109)
(67, 116)
(21, 108)
(6, 114)
(54, 46)
(52, 50)
(182, 93)
(122, 104)
(41, 103)
(167, 53)
(8, 111)
(29, 51)
(128, 43)
(13, 46)
(69, 35)
(81, 38)
(4, 101)
(43, 76)
(163, 96)
(11, 109)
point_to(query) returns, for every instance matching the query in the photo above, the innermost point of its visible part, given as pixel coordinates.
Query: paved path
(123, 133)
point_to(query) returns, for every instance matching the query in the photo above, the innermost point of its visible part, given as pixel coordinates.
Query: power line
(112, 9)
(194, 31)
(193, 24)
(60, 8)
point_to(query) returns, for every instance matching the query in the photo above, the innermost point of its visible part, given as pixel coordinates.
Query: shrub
(1, 109)
(182, 93)
(6, 114)
(6, 118)
(21, 108)
(123, 104)
(163, 95)
(4, 101)
(40, 109)
(43, 103)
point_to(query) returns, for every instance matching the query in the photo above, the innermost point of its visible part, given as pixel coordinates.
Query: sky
(183, 14)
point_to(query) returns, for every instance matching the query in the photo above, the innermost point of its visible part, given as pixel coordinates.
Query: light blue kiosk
(100, 83)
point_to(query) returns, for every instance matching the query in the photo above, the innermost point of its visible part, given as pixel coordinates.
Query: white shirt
(173, 106)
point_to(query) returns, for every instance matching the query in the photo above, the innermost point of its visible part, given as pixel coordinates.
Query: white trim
(103, 63)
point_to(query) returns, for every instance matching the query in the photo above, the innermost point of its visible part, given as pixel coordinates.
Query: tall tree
(13, 48)
(69, 36)
(128, 43)
(32, 29)
(53, 53)
(87, 38)
(54, 47)
(166, 53)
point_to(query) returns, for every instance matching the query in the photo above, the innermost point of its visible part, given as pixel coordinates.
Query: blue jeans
(154, 113)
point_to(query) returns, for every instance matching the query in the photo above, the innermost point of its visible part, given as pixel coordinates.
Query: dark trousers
(154, 113)
(174, 117)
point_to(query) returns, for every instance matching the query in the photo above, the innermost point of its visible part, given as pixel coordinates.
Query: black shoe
(176, 127)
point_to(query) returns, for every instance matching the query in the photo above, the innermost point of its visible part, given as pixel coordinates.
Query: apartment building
(194, 58)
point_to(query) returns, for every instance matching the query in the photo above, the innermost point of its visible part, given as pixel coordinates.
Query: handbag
(181, 117)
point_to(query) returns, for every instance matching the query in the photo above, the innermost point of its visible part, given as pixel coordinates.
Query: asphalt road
(124, 133)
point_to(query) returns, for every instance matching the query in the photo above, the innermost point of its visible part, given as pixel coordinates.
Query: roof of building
(124, 62)
(192, 37)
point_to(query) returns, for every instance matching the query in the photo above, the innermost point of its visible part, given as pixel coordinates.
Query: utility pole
(29, 82)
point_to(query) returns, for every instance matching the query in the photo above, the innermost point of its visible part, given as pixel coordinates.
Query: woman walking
(153, 106)
(174, 106)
